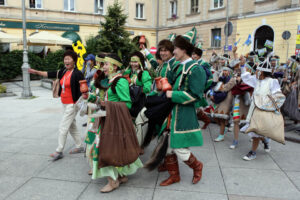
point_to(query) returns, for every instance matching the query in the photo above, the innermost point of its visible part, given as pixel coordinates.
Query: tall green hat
(191, 35)
(172, 37)
(199, 45)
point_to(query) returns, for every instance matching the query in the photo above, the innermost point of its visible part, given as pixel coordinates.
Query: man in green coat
(165, 51)
(188, 80)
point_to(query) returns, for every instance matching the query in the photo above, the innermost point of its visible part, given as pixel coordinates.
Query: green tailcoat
(185, 130)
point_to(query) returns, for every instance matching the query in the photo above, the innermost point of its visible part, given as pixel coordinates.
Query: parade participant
(188, 87)
(99, 86)
(118, 92)
(223, 99)
(241, 99)
(89, 68)
(263, 85)
(69, 92)
(137, 73)
(100, 60)
(197, 54)
(165, 51)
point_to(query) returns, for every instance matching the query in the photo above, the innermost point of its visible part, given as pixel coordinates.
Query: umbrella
(6, 38)
(47, 39)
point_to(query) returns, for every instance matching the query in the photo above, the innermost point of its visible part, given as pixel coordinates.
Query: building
(156, 19)
(74, 19)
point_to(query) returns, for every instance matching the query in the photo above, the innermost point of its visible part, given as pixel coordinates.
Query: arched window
(262, 34)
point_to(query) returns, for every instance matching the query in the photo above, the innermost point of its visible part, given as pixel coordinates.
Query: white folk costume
(267, 86)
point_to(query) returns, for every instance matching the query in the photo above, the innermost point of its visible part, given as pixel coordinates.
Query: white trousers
(68, 124)
(182, 153)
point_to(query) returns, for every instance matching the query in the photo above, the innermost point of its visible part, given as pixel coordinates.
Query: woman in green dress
(115, 175)
(137, 73)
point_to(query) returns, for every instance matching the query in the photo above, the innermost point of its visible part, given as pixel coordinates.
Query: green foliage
(11, 63)
(113, 38)
(2, 89)
(53, 60)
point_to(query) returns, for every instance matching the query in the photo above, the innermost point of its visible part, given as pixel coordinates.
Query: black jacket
(75, 78)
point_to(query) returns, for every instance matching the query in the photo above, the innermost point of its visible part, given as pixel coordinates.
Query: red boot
(173, 169)
(162, 167)
(203, 117)
(197, 166)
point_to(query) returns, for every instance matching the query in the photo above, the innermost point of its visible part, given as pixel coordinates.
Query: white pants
(68, 124)
(182, 153)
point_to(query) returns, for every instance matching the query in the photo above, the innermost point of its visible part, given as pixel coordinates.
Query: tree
(112, 37)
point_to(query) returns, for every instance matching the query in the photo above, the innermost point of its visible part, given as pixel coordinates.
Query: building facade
(259, 20)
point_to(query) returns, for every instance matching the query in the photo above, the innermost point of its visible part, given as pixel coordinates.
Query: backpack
(138, 98)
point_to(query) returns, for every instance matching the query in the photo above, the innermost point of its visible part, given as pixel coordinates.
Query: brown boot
(197, 166)
(162, 167)
(203, 117)
(173, 169)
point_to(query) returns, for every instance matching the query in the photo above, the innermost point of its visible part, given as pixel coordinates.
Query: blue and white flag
(248, 41)
(236, 43)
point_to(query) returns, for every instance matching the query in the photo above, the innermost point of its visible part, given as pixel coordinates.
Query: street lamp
(26, 77)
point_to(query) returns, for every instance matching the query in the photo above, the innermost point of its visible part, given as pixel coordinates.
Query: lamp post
(26, 77)
(227, 31)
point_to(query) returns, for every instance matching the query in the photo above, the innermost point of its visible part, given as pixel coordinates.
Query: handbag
(56, 86)
(268, 123)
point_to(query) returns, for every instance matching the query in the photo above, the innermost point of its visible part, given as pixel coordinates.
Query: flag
(269, 44)
(248, 41)
(236, 43)
(217, 37)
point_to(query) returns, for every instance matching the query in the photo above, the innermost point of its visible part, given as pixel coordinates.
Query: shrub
(2, 89)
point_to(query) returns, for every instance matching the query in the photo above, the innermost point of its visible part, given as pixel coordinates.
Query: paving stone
(8, 184)
(68, 168)
(239, 197)
(123, 192)
(179, 195)
(23, 165)
(206, 156)
(233, 158)
(41, 189)
(286, 160)
(295, 177)
(261, 183)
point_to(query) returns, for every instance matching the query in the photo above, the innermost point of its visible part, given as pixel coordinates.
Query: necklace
(63, 85)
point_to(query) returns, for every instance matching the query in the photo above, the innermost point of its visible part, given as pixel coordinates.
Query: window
(173, 9)
(35, 3)
(139, 11)
(218, 3)
(99, 6)
(2, 2)
(69, 5)
(216, 37)
(194, 6)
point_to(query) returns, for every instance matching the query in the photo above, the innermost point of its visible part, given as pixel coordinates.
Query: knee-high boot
(203, 117)
(197, 166)
(162, 167)
(172, 166)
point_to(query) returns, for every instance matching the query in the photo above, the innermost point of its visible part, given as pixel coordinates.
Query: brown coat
(118, 142)
(223, 109)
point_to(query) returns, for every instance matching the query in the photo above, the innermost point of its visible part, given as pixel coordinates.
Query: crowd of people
(163, 101)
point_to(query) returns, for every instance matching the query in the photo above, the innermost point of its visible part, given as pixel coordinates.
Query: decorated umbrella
(45, 38)
(6, 38)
